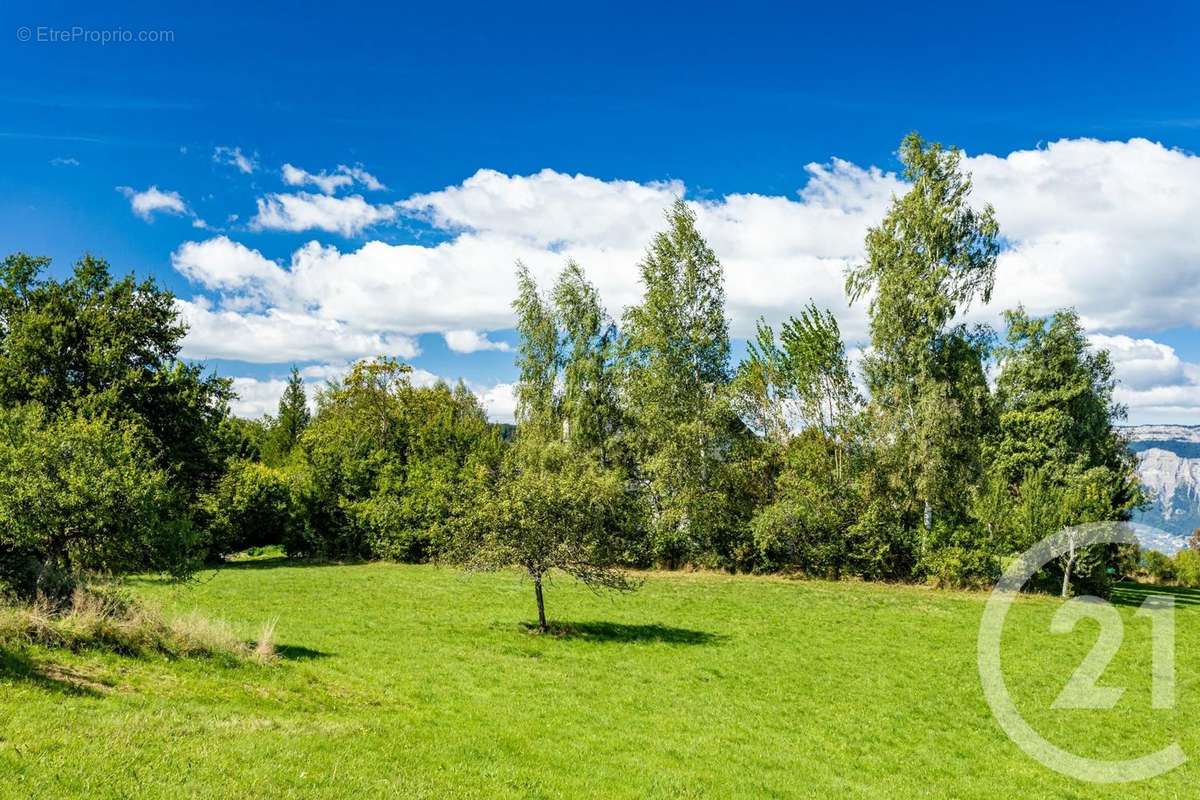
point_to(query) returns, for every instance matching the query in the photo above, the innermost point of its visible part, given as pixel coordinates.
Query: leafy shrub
(1187, 568)
(790, 534)
(1157, 566)
(879, 546)
(252, 506)
(959, 567)
(384, 464)
(83, 495)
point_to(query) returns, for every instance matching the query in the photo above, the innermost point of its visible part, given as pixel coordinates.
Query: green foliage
(283, 432)
(553, 508)
(99, 346)
(538, 360)
(1056, 458)
(676, 370)
(567, 389)
(1157, 566)
(807, 527)
(385, 465)
(1055, 398)
(112, 439)
(929, 259)
(1187, 568)
(803, 380)
(589, 403)
(254, 505)
(961, 566)
(80, 494)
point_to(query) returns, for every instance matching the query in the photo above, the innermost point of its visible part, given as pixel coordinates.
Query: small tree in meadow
(551, 509)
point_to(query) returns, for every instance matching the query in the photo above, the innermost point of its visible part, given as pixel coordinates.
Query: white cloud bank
(1155, 383)
(1105, 227)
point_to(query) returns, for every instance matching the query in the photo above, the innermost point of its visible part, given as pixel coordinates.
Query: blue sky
(589, 119)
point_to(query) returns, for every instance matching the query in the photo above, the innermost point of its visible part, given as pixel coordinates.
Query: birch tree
(930, 258)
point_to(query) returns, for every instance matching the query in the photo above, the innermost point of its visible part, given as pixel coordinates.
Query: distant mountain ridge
(1169, 465)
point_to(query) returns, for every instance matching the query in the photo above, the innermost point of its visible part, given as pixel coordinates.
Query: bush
(879, 546)
(958, 567)
(1187, 568)
(253, 506)
(83, 495)
(384, 464)
(789, 534)
(1156, 566)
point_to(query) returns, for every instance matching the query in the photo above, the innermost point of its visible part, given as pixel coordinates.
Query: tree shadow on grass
(210, 571)
(295, 652)
(275, 562)
(51, 677)
(629, 634)
(1134, 594)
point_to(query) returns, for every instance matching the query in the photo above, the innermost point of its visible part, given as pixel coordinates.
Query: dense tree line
(638, 441)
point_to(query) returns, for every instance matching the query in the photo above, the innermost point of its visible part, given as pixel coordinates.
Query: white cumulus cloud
(152, 201)
(1106, 227)
(499, 401)
(472, 342)
(328, 182)
(305, 211)
(256, 397)
(1153, 382)
(275, 336)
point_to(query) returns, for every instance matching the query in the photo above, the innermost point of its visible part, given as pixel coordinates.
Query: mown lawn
(414, 681)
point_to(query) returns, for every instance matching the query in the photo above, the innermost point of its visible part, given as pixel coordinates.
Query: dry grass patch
(106, 619)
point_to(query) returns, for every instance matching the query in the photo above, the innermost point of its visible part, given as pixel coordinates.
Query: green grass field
(415, 681)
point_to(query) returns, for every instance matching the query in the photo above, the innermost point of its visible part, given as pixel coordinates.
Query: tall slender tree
(802, 380)
(588, 337)
(676, 354)
(556, 504)
(929, 259)
(538, 357)
(291, 421)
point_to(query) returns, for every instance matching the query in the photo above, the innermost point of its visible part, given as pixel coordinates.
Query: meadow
(419, 681)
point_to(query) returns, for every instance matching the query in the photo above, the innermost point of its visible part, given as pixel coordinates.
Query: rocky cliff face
(1169, 465)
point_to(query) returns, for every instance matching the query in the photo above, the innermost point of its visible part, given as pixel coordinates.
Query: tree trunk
(1067, 570)
(541, 604)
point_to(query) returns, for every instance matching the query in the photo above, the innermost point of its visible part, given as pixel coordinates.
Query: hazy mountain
(1169, 464)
